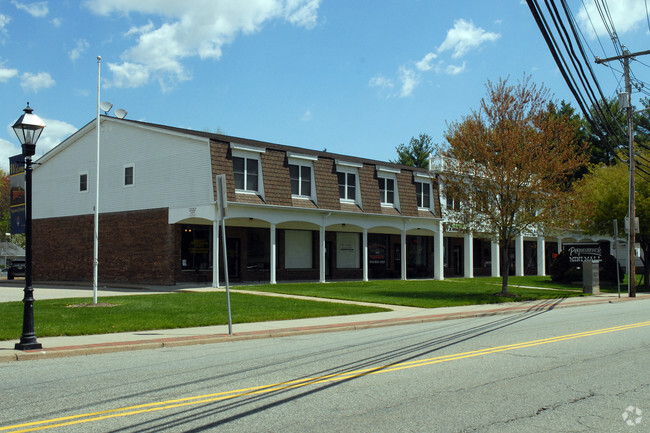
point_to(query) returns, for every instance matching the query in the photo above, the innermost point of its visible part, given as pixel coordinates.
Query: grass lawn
(184, 310)
(147, 312)
(428, 293)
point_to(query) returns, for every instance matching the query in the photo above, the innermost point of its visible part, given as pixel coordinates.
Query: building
(293, 214)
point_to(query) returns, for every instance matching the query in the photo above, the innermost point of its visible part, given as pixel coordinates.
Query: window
(452, 202)
(300, 180)
(348, 180)
(423, 192)
(129, 175)
(247, 168)
(298, 252)
(386, 191)
(83, 182)
(196, 247)
(347, 185)
(246, 172)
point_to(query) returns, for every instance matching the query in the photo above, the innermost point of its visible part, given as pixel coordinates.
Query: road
(580, 369)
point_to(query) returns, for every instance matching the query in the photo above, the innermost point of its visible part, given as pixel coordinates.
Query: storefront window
(196, 247)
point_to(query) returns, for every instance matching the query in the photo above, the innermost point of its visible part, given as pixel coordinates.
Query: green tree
(416, 153)
(602, 196)
(510, 164)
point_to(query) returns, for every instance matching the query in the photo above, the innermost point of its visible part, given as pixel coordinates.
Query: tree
(512, 161)
(416, 153)
(602, 196)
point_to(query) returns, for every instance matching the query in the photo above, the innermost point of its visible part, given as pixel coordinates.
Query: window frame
(249, 153)
(303, 161)
(349, 168)
(425, 181)
(125, 167)
(81, 175)
(387, 173)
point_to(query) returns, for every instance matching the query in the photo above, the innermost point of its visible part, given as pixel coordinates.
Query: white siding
(171, 170)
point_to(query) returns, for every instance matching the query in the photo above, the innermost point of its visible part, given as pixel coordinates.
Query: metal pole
(631, 278)
(225, 268)
(96, 217)
(28, 338)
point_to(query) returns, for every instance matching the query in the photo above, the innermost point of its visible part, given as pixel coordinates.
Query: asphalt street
(565, 370)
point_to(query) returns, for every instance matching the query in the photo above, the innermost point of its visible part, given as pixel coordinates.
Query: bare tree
(513, 158)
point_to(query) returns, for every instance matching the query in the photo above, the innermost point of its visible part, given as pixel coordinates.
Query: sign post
(222, 205)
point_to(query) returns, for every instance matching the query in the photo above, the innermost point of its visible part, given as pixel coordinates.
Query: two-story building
(293, 213)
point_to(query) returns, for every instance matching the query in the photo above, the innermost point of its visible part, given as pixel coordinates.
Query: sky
(354, 77)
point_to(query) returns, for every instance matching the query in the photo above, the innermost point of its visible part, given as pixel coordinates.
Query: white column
(321, 253)
(519, 256)
(438, 254)
(273, 255)
(403, 256)
(496, 259)
(541, 256)
(365, 254)
(468, 255)
(215, 251)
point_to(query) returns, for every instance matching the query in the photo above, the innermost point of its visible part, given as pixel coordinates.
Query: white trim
(424, 176)
(299, 162)
(246, 148)
(383, 169)
(260, 178)
(347, 164)
(301, 157)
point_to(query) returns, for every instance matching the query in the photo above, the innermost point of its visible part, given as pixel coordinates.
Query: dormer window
(423, 191)
(301, 175)
(348, 181)
(247, 169)
(387, 180)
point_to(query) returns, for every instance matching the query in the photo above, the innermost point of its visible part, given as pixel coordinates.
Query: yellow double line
(265, 389)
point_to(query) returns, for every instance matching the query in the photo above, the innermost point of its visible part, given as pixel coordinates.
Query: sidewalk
(54, 347)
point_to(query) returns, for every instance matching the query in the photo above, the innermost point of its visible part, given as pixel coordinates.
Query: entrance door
(328, 258)
(458, 260)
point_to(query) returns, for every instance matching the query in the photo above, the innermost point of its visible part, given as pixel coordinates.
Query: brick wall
(135, 247)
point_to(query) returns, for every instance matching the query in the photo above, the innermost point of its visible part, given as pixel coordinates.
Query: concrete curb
(159, 343)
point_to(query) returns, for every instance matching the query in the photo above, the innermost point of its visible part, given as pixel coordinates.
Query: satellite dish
(120, 113)
(105, 107)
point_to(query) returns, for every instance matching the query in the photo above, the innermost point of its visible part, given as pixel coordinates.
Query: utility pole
(631, 276)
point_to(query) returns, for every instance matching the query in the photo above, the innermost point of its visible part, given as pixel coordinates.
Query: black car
(16, 269)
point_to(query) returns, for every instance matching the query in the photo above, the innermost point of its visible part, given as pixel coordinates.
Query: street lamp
(28, 129)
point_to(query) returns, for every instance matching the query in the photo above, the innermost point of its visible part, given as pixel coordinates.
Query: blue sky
(354, 77)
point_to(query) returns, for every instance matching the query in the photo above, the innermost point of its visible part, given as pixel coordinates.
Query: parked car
(16, 269)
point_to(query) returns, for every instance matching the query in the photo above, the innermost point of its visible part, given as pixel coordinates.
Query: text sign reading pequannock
(581, 252)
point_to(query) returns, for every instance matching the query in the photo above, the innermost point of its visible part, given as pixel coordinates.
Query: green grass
(147, 312)
(428, 293)
(183, 310)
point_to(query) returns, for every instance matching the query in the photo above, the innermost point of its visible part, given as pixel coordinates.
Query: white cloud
(425, 63)
(36, 9)
(381, 82)
(306, 117)
(627, 15)
(56, 22)
(455, 69)
(4, 20)
(409, 79)
(54, 133)
(7, 74)
(76, 52)
(464, 37)
(190, 29)
(36, 82)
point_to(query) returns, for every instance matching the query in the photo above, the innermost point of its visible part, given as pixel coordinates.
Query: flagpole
(96, 228)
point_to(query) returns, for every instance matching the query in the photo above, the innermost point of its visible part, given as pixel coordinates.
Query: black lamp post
(28, 128)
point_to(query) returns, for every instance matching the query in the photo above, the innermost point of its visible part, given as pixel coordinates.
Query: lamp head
(28, 129)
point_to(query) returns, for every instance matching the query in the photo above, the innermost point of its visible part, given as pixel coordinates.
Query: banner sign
(583, 252)
(17, 193)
